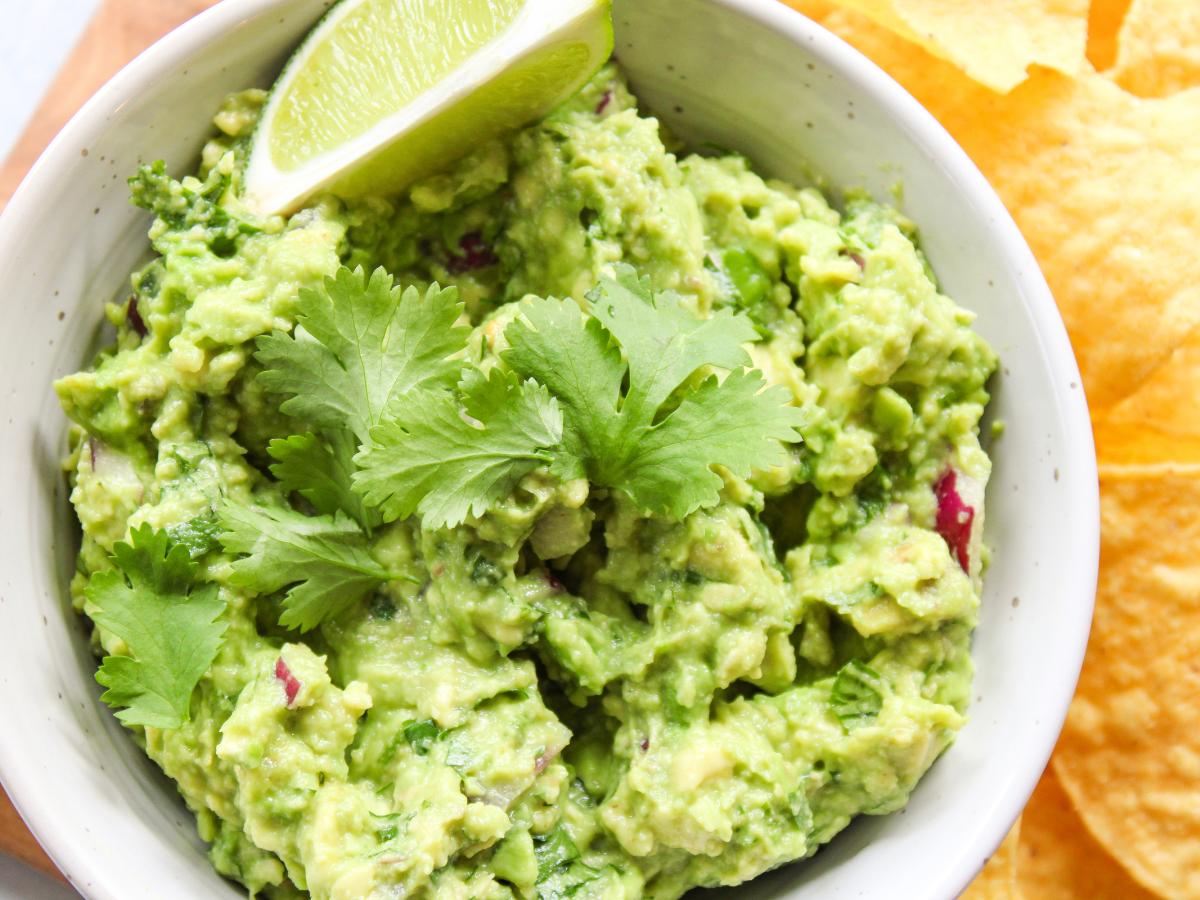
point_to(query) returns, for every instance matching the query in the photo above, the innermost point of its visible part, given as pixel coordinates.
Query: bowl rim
(158, 60)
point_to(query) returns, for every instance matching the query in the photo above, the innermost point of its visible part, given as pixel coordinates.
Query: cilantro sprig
(625, 393)
(399, 422)
(360, 344)
(658, 439)
(172, 628)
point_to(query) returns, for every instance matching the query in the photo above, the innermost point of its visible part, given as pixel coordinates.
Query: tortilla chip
(998, 878)
(1160, 422)
(1104, 25)
(1158, 50)
(994, 43)
(1129, 756)
(1058, 857)
(1103, 185)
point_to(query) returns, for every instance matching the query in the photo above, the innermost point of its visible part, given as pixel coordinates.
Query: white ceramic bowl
(745, 74)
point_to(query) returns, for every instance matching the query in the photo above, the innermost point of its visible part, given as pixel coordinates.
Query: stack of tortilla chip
(1086, 119)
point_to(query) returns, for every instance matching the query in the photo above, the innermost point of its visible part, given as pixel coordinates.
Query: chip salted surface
(588, 520)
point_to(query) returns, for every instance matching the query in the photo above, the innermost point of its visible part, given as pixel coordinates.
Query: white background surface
(35, 38)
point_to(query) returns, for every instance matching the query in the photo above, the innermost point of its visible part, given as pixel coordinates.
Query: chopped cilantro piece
(857, 694)
(181, 207)
(749, 278)
(421, 735)
(555, 850)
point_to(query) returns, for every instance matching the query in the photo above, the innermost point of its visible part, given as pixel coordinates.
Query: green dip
(565, 696)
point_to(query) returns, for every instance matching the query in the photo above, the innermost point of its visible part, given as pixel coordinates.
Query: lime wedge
(383, 92)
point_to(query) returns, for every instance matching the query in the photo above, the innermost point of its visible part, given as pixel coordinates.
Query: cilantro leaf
(663, 342)
(575, 359)
(451, 454)
(319, 471)
(358, 343)
(738, 423)
(661, 455)
(857, 694)
(170, 626)
(323, 558)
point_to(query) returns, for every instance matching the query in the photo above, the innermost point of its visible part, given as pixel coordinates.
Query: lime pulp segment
(373, 59)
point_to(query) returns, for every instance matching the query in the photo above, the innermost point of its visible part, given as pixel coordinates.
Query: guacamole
(595, 678)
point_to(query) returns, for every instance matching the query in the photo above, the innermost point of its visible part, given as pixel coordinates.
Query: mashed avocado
(566, 694)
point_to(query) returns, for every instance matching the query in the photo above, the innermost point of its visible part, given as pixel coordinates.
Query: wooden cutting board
(120, 30)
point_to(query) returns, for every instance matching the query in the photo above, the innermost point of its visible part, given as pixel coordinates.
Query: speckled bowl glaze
(744, 74)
